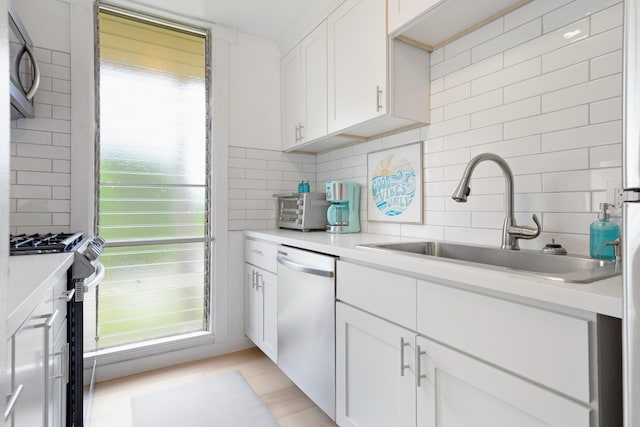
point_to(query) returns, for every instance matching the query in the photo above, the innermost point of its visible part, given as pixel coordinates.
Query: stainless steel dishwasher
(306, 323)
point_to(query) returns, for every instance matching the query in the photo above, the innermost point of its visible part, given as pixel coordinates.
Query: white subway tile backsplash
(61, 166)
(38, 178)
(478, 236)
(580, 180)
(509, 75)
(510, 148)
(605, 111)
(550, 162)
(61, 58)
(583, 50)
(568, 222)
(605, 156)
(247, 163)
(519, 35)
(567, 13)
(531, 10)
(448, 218)
(608, 18)
(454, 94)
(427, 232)
(554, 202)
(58, 192)
(30, 192)
(506, 113)
(547, 82)
(546, 43)
(237, 173)
(474, 71)
(592, 91)
(473, 137)
(549, 122)
(61, 219)
(61, 139)
(266, 174)
(448, 127)
(450, 65)
(43, 151)
(53, 98)
(479, 37)
(473, 104)
(584, 136)
(606, 65)
(401, 138)
(30, 136)
(26, 164)
(42, 205)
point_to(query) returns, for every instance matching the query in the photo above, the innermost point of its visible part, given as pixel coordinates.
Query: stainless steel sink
(562, 268)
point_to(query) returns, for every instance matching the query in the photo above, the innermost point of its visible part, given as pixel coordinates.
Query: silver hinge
(621, 196)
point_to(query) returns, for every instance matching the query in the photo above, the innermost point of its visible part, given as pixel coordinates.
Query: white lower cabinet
(374, 371)
(456, 390)
(262, 315)
(463, 359)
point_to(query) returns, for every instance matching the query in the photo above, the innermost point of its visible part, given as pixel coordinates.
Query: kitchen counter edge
(602, 297)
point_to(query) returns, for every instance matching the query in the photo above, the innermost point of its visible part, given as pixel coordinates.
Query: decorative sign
(395, 184)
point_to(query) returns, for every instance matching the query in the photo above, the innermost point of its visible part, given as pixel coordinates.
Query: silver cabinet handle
(259, 278)
(64, 370)
(11, 404)
(402, 365)
(68, 295)
(303, 268)
(297, 133)
(47, 384)
(378, 98)
(301, 131)
(253, 278)
(419, 375)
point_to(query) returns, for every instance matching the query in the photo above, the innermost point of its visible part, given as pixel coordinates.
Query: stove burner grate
(29, 244)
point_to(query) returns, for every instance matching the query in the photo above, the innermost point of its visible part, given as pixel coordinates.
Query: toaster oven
(302, 211)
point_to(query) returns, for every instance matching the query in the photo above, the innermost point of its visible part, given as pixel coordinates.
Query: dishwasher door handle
(304, 268)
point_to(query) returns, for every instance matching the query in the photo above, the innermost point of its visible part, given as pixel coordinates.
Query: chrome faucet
(511, 231)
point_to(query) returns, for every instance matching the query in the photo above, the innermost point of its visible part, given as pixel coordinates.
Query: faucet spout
(511, 232)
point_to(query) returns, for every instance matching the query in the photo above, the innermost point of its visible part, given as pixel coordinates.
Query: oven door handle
(97, 278)
(303, 268)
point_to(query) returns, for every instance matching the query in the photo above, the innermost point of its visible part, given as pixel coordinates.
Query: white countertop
(30, 279)
(604, 296)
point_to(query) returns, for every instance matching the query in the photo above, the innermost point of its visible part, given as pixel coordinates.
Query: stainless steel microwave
(24, 70)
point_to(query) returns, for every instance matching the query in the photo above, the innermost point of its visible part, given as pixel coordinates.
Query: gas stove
(33, 244)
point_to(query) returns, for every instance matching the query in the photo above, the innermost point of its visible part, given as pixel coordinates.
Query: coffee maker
(343, 214)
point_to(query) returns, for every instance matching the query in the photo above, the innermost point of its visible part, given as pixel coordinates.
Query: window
(153, 179)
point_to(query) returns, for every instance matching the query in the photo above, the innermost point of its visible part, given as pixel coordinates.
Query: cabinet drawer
(261, 254)
(388, 295)
(546, 347)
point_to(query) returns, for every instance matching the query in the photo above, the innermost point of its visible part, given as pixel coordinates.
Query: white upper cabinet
(304, 90)
(357, 63)
(291, 99)
(434, 23)
(313, 55)
(352, 82)
(402, 11)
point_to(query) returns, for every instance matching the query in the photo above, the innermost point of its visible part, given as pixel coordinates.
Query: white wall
(60, 141)
(5, 384)
(551, 106)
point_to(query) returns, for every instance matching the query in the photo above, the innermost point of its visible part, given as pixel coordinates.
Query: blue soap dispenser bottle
(601, 231)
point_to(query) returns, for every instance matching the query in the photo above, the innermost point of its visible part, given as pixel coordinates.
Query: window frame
(207, 335)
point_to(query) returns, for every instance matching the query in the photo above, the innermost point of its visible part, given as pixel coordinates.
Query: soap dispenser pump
(601, 231)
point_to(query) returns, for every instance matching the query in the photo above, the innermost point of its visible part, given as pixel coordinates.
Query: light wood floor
(291, 407)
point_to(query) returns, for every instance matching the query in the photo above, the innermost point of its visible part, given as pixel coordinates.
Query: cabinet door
(267, 284)
(456, 390)
(375, 382)
(357, 56)
(253, 305)
(313, 54)
(291, 98)
(32, 351)
(402, 11)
